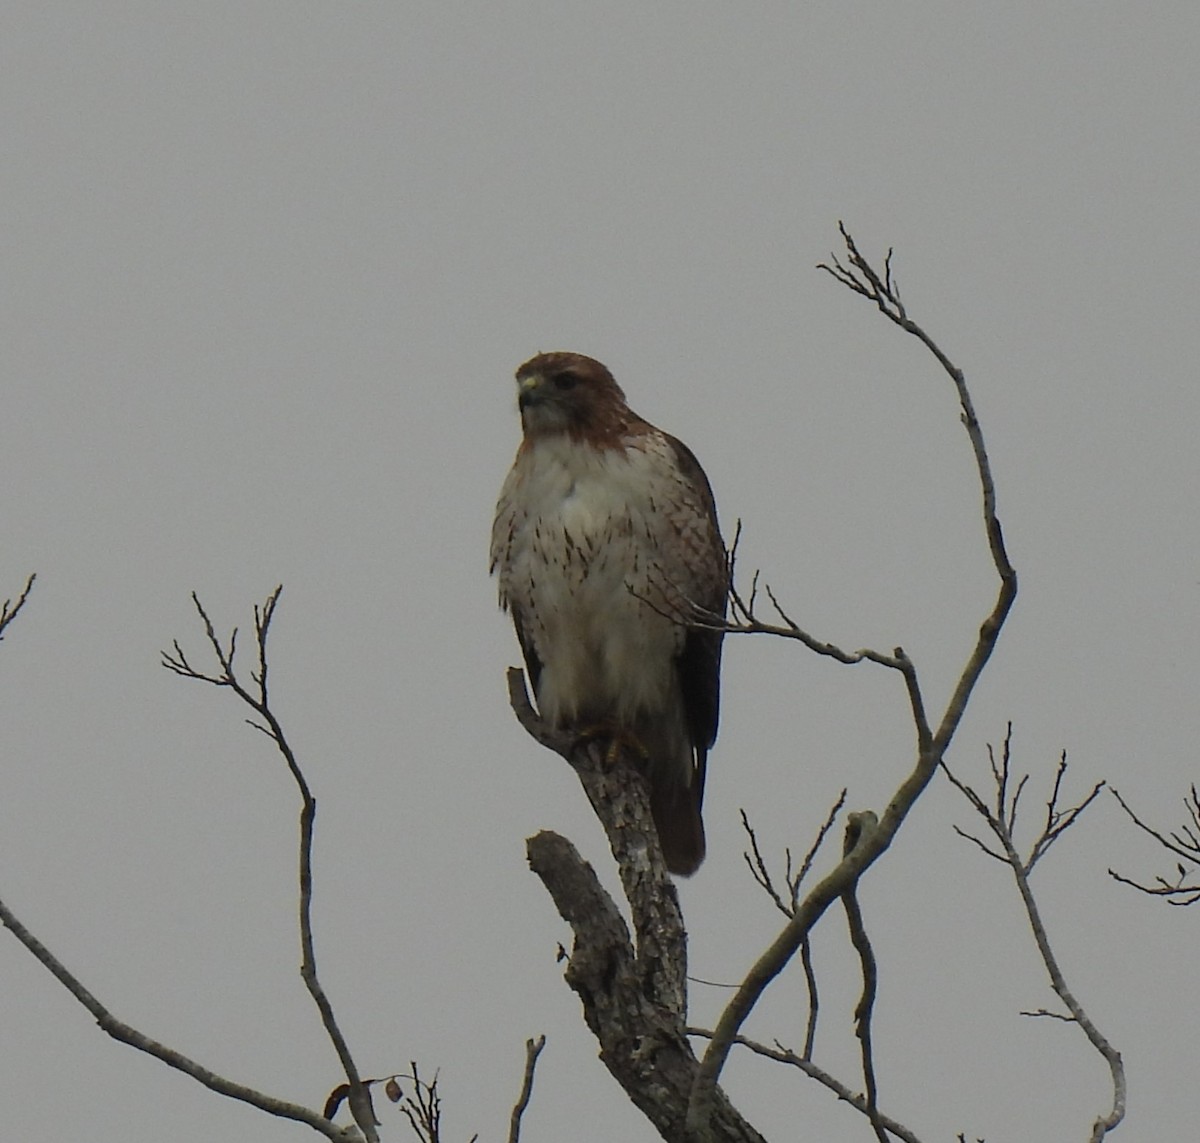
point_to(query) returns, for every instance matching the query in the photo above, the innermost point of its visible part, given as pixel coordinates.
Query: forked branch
(1000, 821)
(858, 275)
(1183, 843)
(783, 1055)
(793, 879)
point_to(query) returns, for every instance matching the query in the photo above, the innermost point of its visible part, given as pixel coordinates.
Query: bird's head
(569, 393)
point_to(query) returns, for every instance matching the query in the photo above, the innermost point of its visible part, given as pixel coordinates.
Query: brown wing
(699, 663)
(509, 512)
(533, 665)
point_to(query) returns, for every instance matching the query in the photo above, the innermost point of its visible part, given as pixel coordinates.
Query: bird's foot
(618, 741)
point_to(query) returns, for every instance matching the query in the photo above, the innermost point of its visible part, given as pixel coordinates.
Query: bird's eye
(566, 380)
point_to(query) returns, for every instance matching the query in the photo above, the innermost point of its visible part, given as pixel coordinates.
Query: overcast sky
(267, 271)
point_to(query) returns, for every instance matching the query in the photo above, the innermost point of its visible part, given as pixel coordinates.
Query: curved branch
(861, 277)
(866, 1004)
(135, 1039)
(784, 1056)
(9, 610)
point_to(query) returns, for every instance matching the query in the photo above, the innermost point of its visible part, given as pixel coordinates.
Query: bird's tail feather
(676, 811)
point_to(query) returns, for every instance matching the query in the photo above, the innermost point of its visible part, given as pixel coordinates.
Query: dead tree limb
(633, 989)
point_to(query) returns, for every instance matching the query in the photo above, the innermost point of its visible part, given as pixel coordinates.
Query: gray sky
(267, 271)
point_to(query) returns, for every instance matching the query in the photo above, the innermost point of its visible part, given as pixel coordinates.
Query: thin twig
(783, 1055)
(982, 845)
(758, 868)
(1183, 843)
(1178, 894)
(1058, 821)
(1005, 812)
(9, 610)
(533, 1049)
(424, 1112)
(757, 864)
(807, 864)
(1045, 1012)
(762, 874)
(814, 1001)
(1056, 824)
(863, 279)
(870, 977)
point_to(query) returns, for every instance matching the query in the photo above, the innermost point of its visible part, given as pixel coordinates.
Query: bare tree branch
(931, 745)
(1051, 1015)
(757, 865)
(814, 999)
(143, 1043)
(806, 864)
(1181, 893)
(256, 698)
(793, 879)
(533, 1049)
(783, 1055)
(1056, 823)
(9, 610)
(870, 978)
(982, 845)
(863, 279)
(1184, 843)
(423, 1109)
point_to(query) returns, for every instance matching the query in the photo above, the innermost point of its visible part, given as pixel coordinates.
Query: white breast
(576, 550)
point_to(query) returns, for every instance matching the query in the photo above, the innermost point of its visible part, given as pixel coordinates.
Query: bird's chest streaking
(581, 567)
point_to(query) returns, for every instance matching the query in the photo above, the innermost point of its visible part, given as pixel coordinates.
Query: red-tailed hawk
(605, 540)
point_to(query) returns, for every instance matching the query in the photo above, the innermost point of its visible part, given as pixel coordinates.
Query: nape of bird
(607, 549)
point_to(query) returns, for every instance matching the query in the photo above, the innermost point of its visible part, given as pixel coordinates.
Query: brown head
(568, 393)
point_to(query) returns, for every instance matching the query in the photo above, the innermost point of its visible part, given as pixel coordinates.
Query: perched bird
(605, 542)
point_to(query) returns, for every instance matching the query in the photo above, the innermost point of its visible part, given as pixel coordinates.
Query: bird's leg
(619, 740)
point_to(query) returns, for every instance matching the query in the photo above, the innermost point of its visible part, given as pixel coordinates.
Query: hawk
(605, 541)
